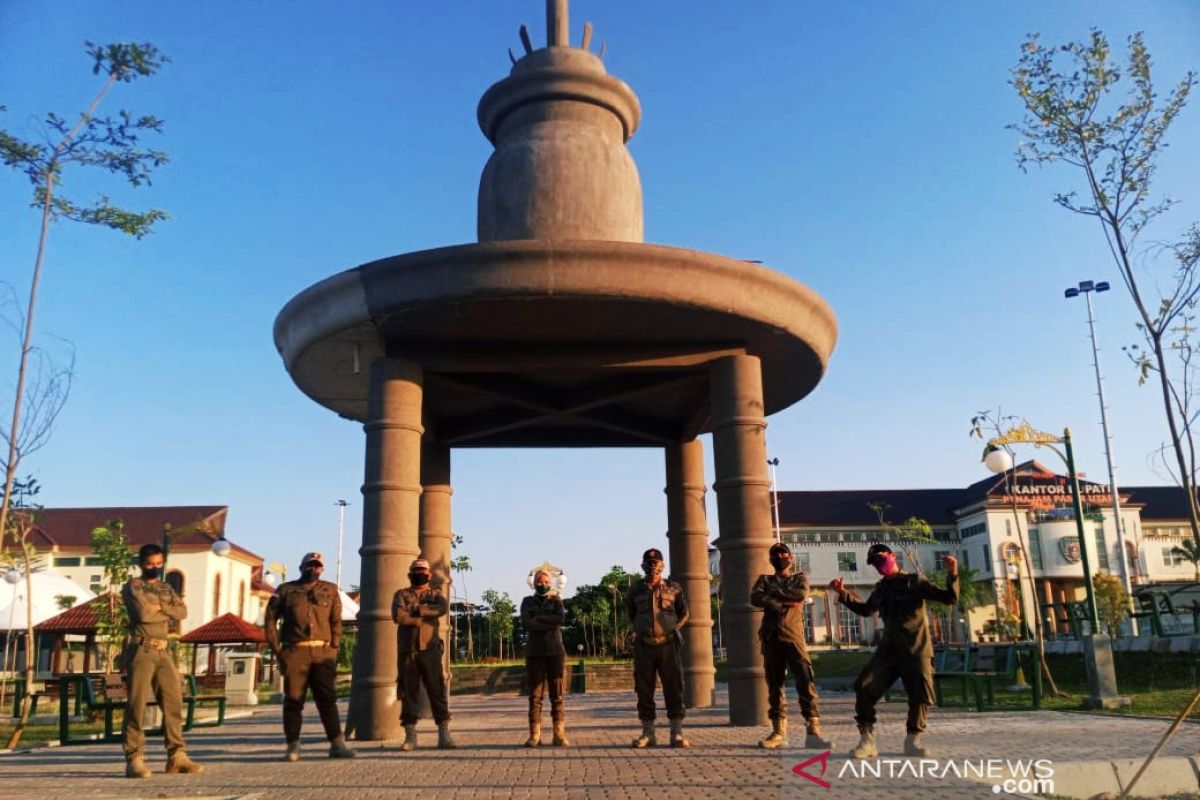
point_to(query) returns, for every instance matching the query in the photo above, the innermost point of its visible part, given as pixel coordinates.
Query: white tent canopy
(349, 608)
(47, 587)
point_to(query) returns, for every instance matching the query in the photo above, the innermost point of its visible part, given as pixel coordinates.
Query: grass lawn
(1158, 685)
(37, 732)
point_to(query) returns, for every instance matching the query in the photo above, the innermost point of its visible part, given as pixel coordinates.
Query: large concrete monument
(560, 328)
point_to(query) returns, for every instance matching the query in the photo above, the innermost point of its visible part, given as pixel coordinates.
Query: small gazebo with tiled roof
(80, 620)
(227, 629)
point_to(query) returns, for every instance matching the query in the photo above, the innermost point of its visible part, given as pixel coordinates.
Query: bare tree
(1070, 118)
(108, 143)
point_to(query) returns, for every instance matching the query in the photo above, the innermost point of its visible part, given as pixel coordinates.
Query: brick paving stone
(243, 757)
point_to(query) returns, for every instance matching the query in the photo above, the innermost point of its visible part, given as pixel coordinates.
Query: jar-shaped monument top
(561, 170)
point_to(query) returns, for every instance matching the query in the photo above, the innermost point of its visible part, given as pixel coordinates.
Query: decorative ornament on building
(1069, 547)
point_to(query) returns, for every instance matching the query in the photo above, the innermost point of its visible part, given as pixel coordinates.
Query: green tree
(460, 565)
(618, 581)
(1112, 602)
(1113, 147)
(500, 617)
(111, 144)
(907, 535)
(112, 620)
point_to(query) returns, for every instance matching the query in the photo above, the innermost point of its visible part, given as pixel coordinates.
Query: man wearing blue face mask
(150, 670)
(906, 649)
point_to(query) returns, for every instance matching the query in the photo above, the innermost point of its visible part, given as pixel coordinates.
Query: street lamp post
(774, 462)
(1097, 647)
(1086, 288)
(341, 504)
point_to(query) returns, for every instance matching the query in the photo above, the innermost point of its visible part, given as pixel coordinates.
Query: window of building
(939, 564)
(971, 530)
(802, 561)
(1171, 559)
(847, 562)
(986, 565)
(242, 599)
(66, 561)
(966, 560)
(93, 561)
(175, 580)
(1035, 548)
(216, 606)
(1008, 527)
(849, 625)
(96, 583)
(1101, 549)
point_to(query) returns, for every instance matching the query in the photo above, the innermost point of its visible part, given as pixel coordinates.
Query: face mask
(151, 573)
(779, 562)
(308, 575)
(541, 588)
(418, 578)
(652, 568)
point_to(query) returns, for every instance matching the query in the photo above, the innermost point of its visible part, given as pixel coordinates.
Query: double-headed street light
(1097, 647)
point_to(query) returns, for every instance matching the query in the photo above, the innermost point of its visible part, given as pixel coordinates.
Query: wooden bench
(952, 664)
(106, 694)
(1001, 665)
(49, 689)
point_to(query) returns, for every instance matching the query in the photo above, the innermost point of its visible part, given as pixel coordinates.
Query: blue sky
(858, 147)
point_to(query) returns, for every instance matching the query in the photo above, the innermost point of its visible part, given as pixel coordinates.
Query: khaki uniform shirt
(656, 613)
(146, 621)
(542, 617)
(900, 601)
(418, 611)
(781, 623)
(304, 612)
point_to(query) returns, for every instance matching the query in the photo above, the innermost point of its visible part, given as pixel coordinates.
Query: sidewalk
(243, 757)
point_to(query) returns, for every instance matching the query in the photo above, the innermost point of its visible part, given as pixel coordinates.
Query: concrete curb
(1086, 779)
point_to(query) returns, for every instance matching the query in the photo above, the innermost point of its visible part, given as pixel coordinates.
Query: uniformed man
(542, 616)
(417, 612)
(149, 666)
(658, 610)
(304, 628)
(782, 596)
(905, 651)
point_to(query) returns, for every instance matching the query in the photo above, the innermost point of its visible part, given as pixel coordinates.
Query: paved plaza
(243, 757)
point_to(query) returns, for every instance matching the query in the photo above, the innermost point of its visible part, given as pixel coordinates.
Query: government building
(1001, 529)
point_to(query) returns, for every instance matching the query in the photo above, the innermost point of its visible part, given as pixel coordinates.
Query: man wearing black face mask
(149, 667)
(781, 597)
(542, 615)
(310, 611)
(658, 610)
(418, 612)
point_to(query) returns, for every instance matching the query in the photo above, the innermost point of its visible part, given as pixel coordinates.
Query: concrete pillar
(391, 497)
(435, 527)
(744, 515)
(687, 539)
